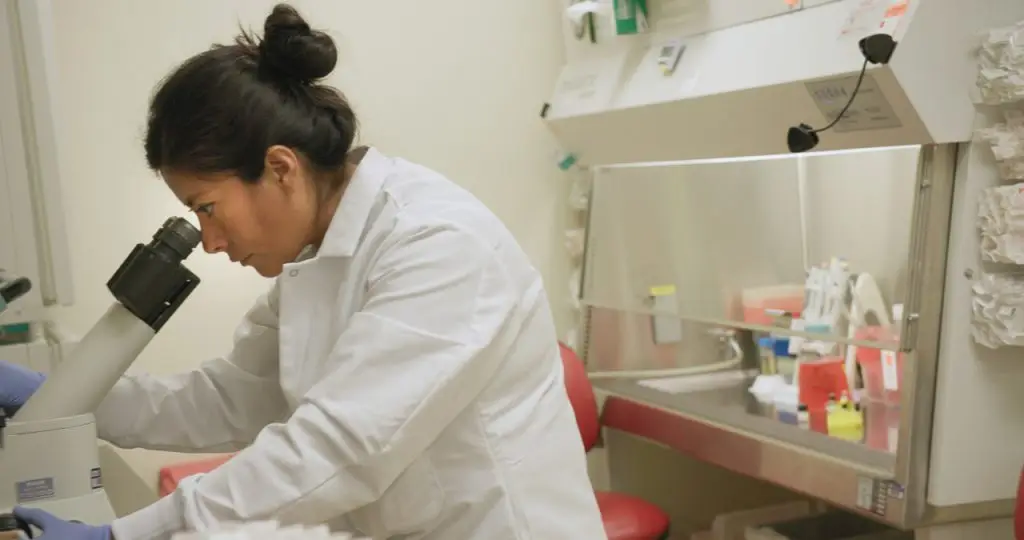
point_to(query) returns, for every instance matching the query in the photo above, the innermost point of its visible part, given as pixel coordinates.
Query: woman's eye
(205, 209)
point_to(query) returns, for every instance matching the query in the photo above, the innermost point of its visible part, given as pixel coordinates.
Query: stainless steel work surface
(730, 405)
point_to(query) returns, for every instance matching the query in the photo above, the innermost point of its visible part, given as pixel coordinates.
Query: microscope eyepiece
(179, 235)
(152, 282)
(11, 290)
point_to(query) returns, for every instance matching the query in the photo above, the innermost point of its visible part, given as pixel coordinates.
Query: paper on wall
(1000, 77)
(997, 310)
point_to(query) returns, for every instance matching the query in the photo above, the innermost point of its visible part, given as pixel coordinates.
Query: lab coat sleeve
(428, 340)
(220, 406)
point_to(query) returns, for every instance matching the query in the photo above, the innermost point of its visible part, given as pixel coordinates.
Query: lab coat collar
(353, 212)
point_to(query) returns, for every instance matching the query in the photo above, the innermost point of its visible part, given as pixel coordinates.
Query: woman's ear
(283, 164)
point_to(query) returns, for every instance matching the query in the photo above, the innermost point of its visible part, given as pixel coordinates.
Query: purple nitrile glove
(55, 528)
(17, 384)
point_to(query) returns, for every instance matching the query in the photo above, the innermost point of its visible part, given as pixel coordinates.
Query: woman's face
(265, 224)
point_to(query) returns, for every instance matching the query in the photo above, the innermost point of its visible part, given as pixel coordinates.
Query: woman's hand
(17, 384)
(55, 528)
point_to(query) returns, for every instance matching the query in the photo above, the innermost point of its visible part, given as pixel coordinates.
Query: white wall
(452, 84)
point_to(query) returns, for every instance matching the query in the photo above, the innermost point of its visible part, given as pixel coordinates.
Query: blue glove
(55, 528)
(17, 384)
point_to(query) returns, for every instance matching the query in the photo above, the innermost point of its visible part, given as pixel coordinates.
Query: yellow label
(663, 290)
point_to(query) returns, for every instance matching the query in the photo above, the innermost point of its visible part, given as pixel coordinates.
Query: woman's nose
(213, 240)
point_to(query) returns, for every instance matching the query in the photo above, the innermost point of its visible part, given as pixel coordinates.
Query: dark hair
(220, 110)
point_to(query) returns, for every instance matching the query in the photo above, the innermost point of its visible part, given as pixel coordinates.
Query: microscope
(49, 457)
(12, 288)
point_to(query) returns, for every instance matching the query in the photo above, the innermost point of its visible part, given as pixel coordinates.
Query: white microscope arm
(149, 287)
(49, 458)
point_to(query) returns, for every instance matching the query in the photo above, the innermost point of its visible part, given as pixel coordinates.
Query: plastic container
(846, 423)
(821, 380)
(781, 346)
(786, 400)
(881, 426)
(766, 353)
(882, 370)
(759, 303)
(15, 334)
(765, 387)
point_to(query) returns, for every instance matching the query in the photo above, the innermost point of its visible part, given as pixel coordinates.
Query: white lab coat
(404, 382)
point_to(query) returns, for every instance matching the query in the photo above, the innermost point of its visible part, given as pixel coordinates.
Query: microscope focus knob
(12, 528)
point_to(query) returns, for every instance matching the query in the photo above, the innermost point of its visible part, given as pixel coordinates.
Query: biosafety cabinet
(882, 259)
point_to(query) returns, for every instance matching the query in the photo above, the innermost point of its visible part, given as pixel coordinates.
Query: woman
(402, 377)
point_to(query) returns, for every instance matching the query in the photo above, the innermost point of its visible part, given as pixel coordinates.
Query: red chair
(625, 517)
(1018, 512)
(172, 475)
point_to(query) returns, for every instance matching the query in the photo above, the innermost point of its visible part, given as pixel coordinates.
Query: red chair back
(581, 395)
(1018, 512)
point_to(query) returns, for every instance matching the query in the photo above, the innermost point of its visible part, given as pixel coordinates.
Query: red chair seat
(631, 518)
(1018, 514)
(171, 475)
(625, 517)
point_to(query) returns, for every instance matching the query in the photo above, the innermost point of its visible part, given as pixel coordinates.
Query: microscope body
(54, 465)
(49, 454)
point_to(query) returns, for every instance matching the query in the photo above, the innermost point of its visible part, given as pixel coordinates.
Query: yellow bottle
(846, 422)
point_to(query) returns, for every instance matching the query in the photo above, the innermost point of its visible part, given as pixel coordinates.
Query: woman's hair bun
(291, 51)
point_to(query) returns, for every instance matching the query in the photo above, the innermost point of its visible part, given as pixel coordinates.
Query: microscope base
(54, 465)
(93, 509)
